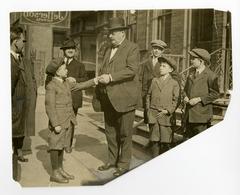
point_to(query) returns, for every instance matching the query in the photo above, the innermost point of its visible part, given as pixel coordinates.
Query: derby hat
(116, 23)
(200, 53)
(54, 65)
(170, 61)
(68, 43)
(158, 43)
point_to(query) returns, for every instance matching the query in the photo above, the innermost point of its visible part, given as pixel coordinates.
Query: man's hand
(162, 112)
(194, 101)
(186, 100)
(104, 79)
(71, 79)
(58, 129)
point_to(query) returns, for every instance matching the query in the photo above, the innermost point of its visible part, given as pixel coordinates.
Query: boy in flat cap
(161, 103)
(201, 90)
(58, 103)
(149, 70)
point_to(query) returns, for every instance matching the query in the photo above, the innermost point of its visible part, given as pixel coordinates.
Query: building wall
(177, 32)
(39, 40)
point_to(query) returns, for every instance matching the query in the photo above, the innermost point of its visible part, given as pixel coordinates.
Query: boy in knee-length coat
(58, 102)
(161, 102)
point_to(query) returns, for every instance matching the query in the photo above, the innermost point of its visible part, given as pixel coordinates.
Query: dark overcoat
(205, 86)
(124, 91)
(77, 71)
(18, 90)
(147, 73)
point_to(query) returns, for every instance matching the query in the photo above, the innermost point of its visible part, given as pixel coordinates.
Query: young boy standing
(161, 103)
(58, 102)
(201, 90)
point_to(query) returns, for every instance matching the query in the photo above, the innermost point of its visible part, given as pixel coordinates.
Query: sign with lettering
(54, 19)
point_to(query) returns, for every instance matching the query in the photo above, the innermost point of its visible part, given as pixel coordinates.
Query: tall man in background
(76, 73)
(119, 91)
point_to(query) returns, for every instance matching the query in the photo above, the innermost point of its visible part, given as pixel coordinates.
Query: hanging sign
(54, 19)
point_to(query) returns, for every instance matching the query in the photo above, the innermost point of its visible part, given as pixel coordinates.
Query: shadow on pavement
(92, 146)
(42, 153)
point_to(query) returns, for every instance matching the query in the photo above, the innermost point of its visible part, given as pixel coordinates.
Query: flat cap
(158, 43)
(200, 53)
(54, 65)
(169, 60)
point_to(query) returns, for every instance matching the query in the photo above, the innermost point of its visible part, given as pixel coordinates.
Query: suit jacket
(58, 101)
(163, 95)
(147, 73)
(18, 91)
(77, 71)
(205, 86)
(124, 90)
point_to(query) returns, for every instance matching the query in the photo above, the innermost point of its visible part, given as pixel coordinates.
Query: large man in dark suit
(119, 91)
(76, 73)
(201, 90)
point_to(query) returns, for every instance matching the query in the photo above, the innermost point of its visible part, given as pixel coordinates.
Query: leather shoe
(105, 167)
(22, 159)
(65, 174)
(120, 171)
(68, 150)
(58, 178)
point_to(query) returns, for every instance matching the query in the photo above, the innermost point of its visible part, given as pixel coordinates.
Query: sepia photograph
(96, 94)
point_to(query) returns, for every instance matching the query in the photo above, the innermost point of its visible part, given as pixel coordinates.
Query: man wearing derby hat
(161, 103)
(76, 73)
(119, 91)
(201, 90)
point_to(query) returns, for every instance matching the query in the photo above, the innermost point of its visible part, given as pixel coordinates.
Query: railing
(221, 64)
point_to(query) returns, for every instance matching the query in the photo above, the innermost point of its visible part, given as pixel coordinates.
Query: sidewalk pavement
(90, 151)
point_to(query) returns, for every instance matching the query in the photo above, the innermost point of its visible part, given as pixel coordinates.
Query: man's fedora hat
(200, 53)
(158, 43)
(68, 43)
(116, 23)
(54, 65)
(170, 61)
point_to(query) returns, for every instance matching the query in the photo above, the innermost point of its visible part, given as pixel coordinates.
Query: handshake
(104, 79)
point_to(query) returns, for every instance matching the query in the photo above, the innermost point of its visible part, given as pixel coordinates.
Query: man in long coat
(119, 91)
(201, 90)
(76, 73)
(18, 92)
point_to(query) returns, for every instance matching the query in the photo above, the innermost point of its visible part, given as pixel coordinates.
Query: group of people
(119, 86)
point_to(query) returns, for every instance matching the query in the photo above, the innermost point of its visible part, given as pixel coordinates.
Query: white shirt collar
(59, 79)
(15, 55)
(69, 61)
(200, 69)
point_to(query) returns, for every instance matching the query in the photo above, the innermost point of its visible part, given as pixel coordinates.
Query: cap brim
(156, 45)
(118, 28)
(193, 54)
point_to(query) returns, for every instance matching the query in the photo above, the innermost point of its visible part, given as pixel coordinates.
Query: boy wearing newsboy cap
(58, 103)
(161, 103)
(201, 90)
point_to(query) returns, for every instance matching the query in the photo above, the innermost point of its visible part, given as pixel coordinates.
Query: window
(205, 25)
(164, 26)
